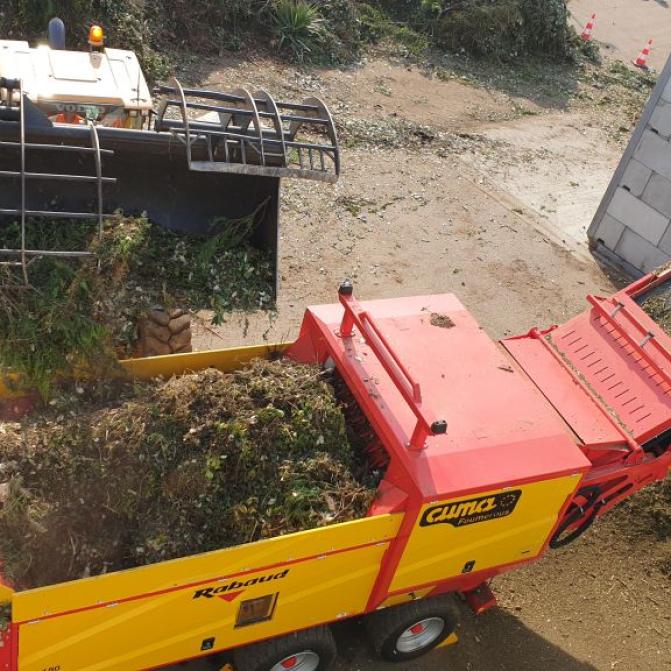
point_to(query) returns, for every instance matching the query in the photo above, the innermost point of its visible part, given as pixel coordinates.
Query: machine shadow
(617, 276)
(496, 641)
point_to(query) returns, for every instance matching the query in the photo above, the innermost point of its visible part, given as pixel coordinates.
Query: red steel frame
(427, 424)
(616, 472)
(622, 469)
(9, 649)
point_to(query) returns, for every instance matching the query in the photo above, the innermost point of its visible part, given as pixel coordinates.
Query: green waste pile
(196, 463)
(505, 29)
(658, 306)
(81, 315)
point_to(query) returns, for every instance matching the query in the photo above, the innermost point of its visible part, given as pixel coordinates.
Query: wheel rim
(420, 635)
(301, 661)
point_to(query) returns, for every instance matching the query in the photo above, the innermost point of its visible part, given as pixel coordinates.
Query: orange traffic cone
(586, 34)
(642, 60)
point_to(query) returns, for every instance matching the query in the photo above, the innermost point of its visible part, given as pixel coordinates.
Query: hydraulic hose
(588, 511)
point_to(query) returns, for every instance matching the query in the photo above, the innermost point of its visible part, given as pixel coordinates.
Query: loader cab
(204, 159)
(102, 85)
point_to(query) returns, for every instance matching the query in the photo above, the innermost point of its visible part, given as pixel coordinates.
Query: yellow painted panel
(443, 549)
(175, 364)
(398, 599)
(149, 632)
(452, 639)
(180, 573)
(6, 593)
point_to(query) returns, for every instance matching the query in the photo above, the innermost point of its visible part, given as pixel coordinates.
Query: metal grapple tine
(271, 107)
(286, 139)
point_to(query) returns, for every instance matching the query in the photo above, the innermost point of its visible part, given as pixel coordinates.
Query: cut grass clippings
(200, 462)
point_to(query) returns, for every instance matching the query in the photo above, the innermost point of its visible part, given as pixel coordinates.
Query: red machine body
(608, 373)
(458, 414)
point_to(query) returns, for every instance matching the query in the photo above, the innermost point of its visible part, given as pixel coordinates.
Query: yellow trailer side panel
(177, 364)
(6, 593)
(150, 616)
(171, 364)
(481, 531)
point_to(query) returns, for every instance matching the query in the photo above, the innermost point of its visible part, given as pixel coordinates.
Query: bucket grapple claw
(247, 134)
(202, 156)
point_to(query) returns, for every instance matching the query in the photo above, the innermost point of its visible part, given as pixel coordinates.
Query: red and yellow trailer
(493, 453)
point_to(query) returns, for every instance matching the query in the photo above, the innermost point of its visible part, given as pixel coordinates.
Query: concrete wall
(632, 226)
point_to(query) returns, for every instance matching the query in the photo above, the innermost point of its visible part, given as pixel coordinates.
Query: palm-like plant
(298, 26)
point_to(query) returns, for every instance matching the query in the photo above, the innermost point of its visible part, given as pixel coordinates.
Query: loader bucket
(207, 156)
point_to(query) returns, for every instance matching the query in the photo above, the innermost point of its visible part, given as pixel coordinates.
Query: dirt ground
(488, 195)
(430, 182)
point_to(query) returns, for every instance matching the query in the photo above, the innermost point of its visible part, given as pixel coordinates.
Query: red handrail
(409, 388)
(648, 283)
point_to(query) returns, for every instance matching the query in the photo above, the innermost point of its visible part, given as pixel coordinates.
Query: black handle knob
(346, 288)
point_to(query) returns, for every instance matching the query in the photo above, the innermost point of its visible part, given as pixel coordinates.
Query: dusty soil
(452, 187)
(442, 174)
(558, 167)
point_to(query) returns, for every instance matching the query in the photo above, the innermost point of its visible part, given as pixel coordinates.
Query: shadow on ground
(549, 84)
(496, 641)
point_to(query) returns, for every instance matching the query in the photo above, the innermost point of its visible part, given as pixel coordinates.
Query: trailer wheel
(308, 650)
(402, 633)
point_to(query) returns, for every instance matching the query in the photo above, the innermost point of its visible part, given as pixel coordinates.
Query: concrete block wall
(632, 226)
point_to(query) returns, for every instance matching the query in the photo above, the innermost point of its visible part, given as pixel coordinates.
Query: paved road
(624, 26)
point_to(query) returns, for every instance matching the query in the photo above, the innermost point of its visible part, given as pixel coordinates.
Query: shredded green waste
(659, 308)
(5, 616)
(133, 476)
(82, 314)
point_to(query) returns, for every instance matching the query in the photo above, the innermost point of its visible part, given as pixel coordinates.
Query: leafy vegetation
(82, 315)
(158, 30)
(378, 25)
(324, 31)
(504, 29)
(298, 26)
(51, 328)
(200, 462)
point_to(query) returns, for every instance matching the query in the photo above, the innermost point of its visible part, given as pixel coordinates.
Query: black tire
(266, 654)
(56, 34)
(385, 627)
